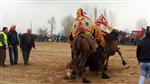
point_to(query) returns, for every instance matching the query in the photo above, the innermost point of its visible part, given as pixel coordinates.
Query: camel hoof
(86, 81)
(66, 77)
(72, 77)
(105, 68)
(105, 76)
(124, 63)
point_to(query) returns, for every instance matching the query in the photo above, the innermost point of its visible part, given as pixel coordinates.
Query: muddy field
(47, 65)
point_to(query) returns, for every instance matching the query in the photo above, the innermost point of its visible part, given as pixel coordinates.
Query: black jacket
(143, 50)
(13, 38)
(27, 41)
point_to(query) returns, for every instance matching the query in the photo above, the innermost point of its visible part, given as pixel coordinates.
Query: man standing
(13, 42)
(3, 46)
(143, 56)
(27, 43)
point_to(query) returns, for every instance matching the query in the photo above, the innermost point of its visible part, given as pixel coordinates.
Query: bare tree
(109, 15)
(52, 22)
(111, 19)
(67, 23)
(141, 23)
(43, 31)
(127, 30)
(105, 13)
(95, 13)
(89, 10)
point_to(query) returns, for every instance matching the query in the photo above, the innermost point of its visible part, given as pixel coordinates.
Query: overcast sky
(22, 12)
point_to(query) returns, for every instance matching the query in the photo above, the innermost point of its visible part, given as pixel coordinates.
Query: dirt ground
(47, 65)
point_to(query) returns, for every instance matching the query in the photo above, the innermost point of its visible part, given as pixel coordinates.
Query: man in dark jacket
(13, 42)
(143, 56)
(27, 43)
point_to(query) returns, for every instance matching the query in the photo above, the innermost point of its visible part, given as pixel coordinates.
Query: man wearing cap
(13, 43)
(3, 46)
(143, 57)
(27, 43)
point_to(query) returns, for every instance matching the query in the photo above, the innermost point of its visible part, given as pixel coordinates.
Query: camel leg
(106, 64)
(104, 73)
(82, 68)
(75, 63)
(120, 54)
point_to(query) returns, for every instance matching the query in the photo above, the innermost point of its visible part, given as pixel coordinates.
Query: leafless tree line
(93, 12)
